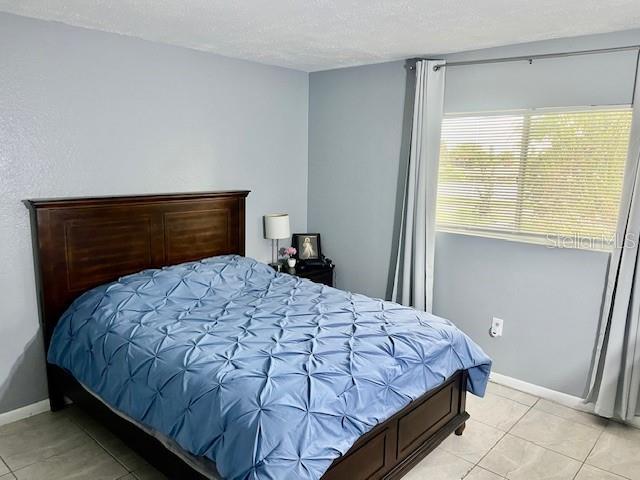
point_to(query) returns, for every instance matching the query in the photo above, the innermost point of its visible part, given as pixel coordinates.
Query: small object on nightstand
(289, 253)
(308, 247)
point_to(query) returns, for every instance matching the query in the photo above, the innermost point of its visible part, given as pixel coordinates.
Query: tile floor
(516, 436)
(512, 435)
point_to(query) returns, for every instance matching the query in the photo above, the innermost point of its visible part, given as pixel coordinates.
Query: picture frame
(308, 246)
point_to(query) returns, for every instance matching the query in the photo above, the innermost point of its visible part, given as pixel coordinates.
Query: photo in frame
(307, 245)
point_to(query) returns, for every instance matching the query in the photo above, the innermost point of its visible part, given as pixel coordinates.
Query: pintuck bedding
(268, 375)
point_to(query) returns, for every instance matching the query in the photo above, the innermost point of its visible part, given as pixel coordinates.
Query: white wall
(549, 299)
(90, 113)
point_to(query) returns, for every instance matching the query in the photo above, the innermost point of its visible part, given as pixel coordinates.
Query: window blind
(538, 175)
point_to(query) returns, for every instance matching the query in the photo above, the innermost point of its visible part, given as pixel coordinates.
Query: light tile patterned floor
(67, 445)
(512, 435)
(516, 436)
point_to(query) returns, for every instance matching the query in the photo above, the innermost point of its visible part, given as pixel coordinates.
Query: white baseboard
(565, 399)
(24, 412)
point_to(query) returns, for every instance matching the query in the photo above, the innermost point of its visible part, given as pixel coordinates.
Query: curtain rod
(531, 58)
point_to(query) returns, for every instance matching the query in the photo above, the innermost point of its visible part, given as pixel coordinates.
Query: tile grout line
(531, 407)
(504, 434)
(551, 449)
(582, 462)
(476, 464)
(508, 432)
(547, 449)
(568, 419)
(524, 415)
(130, 471)
(594, 445)
(41, 460)
(513, 400)
(498, 428)
(607, 471)
(6, 465)
(95, 440)
(550, 401)
(591, 451)
(46, 459)
(89, 436)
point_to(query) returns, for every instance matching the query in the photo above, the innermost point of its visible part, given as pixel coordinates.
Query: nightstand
(318, 274)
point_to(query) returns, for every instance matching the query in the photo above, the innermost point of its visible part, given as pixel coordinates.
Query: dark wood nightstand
(319, 274)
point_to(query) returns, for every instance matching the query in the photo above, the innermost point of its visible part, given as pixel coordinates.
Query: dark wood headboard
(80, 243)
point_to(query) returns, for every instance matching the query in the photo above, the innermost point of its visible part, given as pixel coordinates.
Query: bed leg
(56, 395)
(56, 399)
(56, 402)
(460, 429)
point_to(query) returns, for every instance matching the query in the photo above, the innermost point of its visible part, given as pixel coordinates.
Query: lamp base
(277, 266)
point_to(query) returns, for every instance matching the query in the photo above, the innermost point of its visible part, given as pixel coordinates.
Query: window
(537, 175)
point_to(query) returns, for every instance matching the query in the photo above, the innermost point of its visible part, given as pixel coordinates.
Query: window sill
(553, 242)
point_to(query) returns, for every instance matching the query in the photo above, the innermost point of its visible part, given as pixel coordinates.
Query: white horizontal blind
(533, 174)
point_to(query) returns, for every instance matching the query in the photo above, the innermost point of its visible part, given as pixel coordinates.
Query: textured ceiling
(322, 34)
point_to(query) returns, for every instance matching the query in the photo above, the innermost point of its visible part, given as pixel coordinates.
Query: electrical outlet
(496, 327)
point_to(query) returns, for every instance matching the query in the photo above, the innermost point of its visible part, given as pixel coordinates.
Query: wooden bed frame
(84, 242)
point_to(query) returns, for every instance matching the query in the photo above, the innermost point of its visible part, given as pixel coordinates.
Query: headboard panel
(80, 243)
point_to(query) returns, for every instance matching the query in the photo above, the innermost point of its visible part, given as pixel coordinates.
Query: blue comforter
(268, 375)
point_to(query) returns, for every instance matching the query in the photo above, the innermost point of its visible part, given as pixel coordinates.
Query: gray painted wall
(549, 298)
(90, 113)
(356, 118)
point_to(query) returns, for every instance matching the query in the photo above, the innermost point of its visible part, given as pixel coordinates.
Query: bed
(211, 364)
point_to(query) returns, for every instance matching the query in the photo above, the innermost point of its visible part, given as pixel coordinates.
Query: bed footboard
(387, 452)
(396, 445)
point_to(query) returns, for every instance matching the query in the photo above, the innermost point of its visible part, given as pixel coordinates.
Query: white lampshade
(276, 226)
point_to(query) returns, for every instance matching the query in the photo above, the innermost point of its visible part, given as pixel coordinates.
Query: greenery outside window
(550, 176)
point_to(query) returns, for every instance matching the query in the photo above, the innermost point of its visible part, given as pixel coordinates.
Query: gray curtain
(413, 280)
(615, 379)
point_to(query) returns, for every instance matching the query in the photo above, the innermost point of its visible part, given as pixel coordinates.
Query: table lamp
(276, 227)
